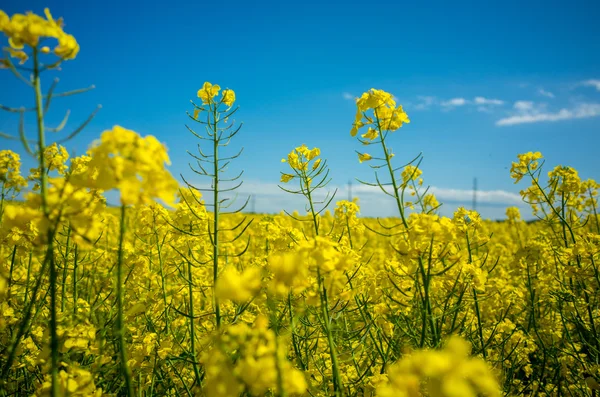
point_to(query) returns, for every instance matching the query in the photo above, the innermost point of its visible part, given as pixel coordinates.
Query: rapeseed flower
(209, 91)
(123, 160)
(29, 29)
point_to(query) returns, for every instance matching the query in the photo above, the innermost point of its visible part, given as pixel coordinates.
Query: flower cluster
(10, 173)
(299, 160)
(446, 373)
(31, 30)
(387, 116)
(209, 91)
(248, 358)
(123, 160)
(528, 162)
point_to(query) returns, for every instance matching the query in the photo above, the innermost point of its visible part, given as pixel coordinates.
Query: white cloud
(523, 105)
(528, 112)
(482, 104)
(486, 105)
(347, 96)
(479, 100)
(501, 197)
(592, 83)
(425, 102)
(455, 102)
(545, 93)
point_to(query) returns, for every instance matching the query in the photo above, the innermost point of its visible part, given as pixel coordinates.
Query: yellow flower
(430, 201)
(289, 272)
(3, 287)
(389, 117)
(410, 173)
(28, 29)
(313, 153)
(364, 157)
(123, 160)
(236, 286)
(371, 134)
(285, 178)
(513, 214)
(356, 127)
(4, 20)
(19, 54)
(10, 174)
(208, 92)
(528, 162)
(228, 97)
(449, 372)
(301, 156)
(72, 381)
(316, 164)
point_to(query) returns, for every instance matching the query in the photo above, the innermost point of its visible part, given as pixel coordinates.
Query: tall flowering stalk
(26, 36)
(377, 110)
(312, 174)
(210, 163)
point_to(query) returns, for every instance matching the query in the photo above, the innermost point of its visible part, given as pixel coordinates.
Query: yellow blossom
(364, 157)
(228, 97)
(28, 29)
(208, 92)
(123, 160)
(285, 178)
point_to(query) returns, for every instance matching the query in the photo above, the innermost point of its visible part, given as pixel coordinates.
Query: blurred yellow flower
(123, 160)
(28, 29)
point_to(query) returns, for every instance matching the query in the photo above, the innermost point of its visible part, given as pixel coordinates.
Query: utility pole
(474, 194)
(350, 190)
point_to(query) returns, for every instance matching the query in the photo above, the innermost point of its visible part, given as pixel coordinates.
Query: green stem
(2, 197)
(191, 319)
(593, 209)
(37, 86)
(23, 326)
(12, 265)
(337, 379)
(65, 267)
(349, 233)
(125, 371)
(391, 171)
(162, 278)
(75, 260)
(216, 212)
(479, 325)
(293, 332)
(282, 392)
(25, 298)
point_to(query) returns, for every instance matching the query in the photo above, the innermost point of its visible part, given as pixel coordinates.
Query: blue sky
(481, 82)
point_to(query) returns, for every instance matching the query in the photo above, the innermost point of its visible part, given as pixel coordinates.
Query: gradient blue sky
(481, 82)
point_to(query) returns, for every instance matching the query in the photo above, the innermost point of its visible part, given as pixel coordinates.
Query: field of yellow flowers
(169, 294)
